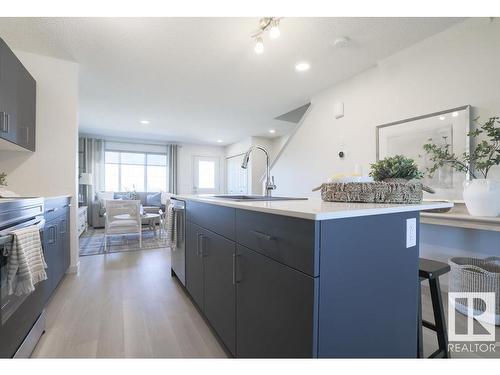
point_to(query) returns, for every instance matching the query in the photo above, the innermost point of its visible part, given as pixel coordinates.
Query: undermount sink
(243, 198)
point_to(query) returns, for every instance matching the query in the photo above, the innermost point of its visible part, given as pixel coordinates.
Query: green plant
(485, 155)
(3, 179)
(397, 166)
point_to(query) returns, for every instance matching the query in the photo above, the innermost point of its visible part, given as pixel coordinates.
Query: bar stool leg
(439, 318)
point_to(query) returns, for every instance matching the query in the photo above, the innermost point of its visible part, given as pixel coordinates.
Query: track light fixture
(274, 31)
(270, 24)
(259, 45)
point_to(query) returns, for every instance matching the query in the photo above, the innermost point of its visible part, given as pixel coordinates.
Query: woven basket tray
(473, 275)
(394, 191)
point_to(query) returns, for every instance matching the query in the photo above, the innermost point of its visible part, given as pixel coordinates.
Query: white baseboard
(73, 268)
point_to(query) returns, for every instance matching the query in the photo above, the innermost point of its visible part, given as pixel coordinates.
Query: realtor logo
(478, 306)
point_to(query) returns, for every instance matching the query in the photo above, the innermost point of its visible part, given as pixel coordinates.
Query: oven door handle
(6, 234)
(37, 221)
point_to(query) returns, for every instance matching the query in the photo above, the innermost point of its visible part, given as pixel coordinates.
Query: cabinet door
(194, 263)
(50, 254)
(26, 110)
(8, 93)
(274, 308)
(219, 289)
(64, 251)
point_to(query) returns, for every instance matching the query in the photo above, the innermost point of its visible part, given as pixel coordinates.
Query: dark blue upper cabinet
(17, 101)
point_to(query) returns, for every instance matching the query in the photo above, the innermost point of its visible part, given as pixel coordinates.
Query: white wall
(52, 169)
(456, 67)
(185, 165)
(238, 147)
(277, 144)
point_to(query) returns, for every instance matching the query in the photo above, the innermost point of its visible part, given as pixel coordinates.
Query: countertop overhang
(315, 208)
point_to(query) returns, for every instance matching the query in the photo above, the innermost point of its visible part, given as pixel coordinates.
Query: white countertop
(315, 208)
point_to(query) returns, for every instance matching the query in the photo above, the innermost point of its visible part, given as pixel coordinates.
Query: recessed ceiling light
(341, 42)
(302, 66)
(272, 131)
(442, 117)
(454, 114)
(219, 141)
(144, 122)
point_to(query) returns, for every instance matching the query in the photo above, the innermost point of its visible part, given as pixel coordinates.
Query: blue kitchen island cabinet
(305, 279)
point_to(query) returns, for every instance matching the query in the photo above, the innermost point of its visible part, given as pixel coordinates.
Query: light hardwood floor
(128, 305)
(125, 305)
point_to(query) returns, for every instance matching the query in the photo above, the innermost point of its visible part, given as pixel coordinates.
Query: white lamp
(85, 179)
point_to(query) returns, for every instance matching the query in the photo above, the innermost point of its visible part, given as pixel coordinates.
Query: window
(128, 171)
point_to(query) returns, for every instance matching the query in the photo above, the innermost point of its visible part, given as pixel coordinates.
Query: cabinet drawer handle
(51, 210)
(199, 250)
(202, 247)
(198, 244)
(4, 122)
(264, 236)
(234, 269)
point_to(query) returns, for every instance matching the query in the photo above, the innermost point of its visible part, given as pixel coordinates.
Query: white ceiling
(198, 79)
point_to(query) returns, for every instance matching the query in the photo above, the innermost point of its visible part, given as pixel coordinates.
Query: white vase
(482, 197)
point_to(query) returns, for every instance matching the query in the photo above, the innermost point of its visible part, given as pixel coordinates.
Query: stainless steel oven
(19, 315)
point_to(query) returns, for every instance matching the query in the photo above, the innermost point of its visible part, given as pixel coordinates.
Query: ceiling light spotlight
(259, 46)
(454, 114)
(144, 122)
(272, 131)
(302, 66)
(274, 31)
(219, 141)
(442, 117)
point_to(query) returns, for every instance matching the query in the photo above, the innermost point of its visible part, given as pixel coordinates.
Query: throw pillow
(123, 196)
(101, 197)
(104, 195)
(153, 199)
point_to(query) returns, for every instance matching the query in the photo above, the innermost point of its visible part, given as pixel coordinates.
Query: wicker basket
(389, 191)
(478, 276)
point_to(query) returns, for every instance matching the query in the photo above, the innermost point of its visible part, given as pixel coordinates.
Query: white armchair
(122, 217)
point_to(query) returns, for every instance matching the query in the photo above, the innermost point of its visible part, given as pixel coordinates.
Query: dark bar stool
(431, 270)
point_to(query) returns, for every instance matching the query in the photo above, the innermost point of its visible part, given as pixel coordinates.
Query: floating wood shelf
(459, 217)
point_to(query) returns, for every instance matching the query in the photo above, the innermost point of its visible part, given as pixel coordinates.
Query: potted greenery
(396, 167)
(481, 194)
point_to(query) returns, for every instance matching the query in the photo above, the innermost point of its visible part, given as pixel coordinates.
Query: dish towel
(172, 226)
(25, 265)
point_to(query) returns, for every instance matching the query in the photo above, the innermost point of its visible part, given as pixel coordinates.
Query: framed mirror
(407, 137)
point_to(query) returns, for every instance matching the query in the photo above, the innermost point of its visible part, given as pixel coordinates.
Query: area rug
(92, 242)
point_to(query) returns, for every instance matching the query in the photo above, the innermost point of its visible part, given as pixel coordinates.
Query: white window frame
(145, 166)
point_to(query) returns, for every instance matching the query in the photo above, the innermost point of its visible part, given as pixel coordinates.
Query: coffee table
(151, 220)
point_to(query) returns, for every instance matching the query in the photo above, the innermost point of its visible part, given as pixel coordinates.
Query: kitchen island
(305, 278)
